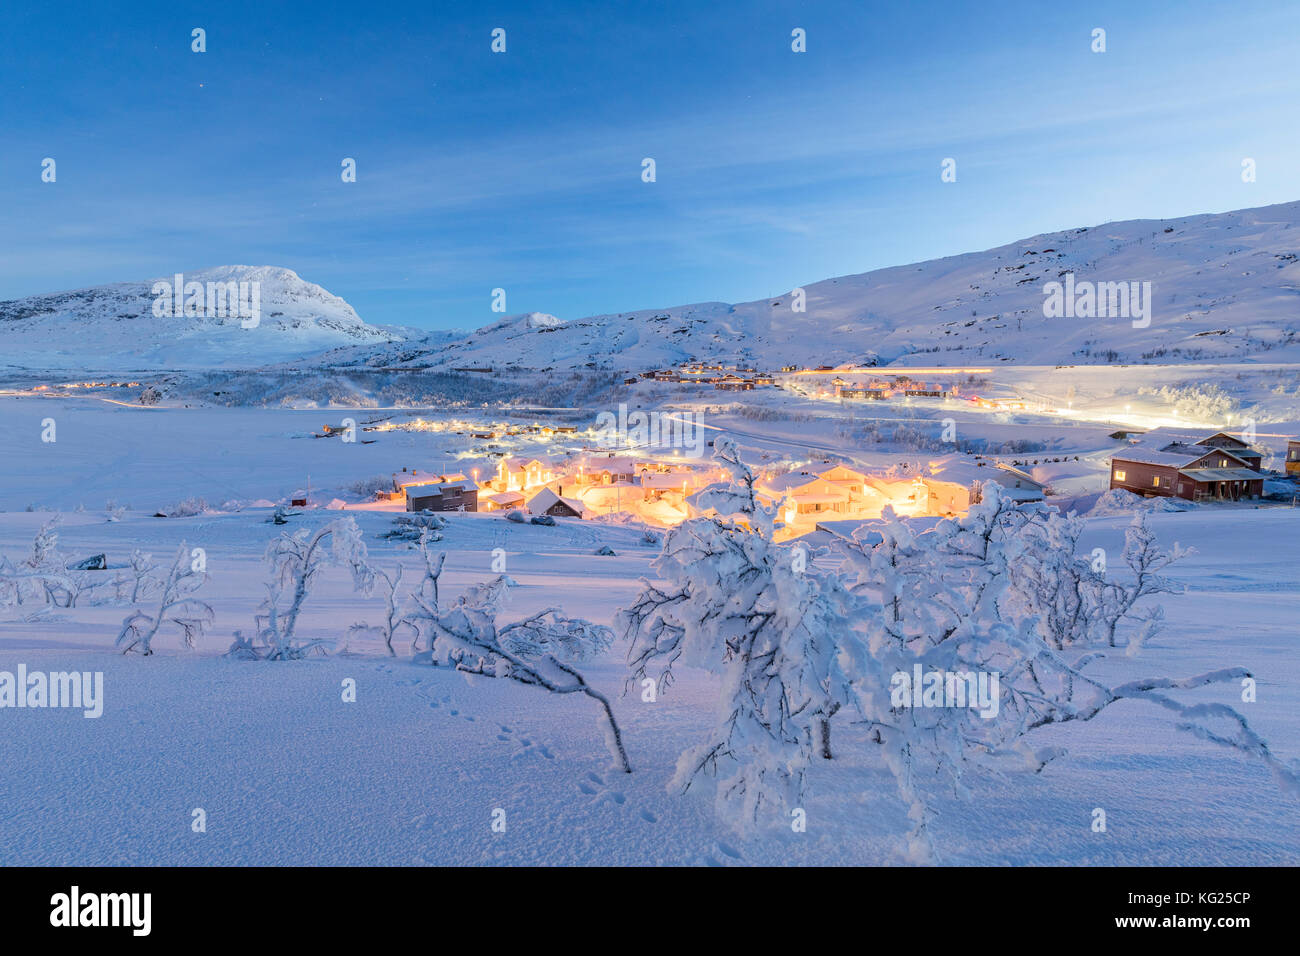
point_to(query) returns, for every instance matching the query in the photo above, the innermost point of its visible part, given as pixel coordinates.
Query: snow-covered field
(413, 771)
(356, 756)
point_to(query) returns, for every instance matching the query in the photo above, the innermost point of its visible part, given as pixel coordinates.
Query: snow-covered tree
(45, 548)
(41, 577)
(177, 606)
(413, 527)
(1146, 561)
(10, 585)
(421, 608)
(946, 603)
(296, 562)
(1053, 580)
(549, 632)
(740, 605)
(1077, 598)
(142, 569)
(937, 619)
(467, 637)
(393, 621)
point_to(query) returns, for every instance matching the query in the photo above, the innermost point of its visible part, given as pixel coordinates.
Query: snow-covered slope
(1224, 287)
(115, 326)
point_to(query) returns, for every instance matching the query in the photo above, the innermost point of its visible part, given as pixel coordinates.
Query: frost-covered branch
(177, 606)
(296, 562)
(467, 638)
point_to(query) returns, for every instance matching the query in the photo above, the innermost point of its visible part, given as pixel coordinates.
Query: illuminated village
(569, 471)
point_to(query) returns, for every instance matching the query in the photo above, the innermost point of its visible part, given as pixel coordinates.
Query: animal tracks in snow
(591, 785)
(724, 855)
(594, 786)
(525, 746)
(529, 747)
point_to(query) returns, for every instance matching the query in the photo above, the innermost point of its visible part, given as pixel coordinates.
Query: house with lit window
(806, 494)
(1194, 444)
(519, 474)
(547, 502)
(1209, 473)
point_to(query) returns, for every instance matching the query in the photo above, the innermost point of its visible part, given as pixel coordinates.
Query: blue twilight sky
(523, 170)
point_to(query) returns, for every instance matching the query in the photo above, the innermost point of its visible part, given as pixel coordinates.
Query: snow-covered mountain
(1224, 287)
(119, 325)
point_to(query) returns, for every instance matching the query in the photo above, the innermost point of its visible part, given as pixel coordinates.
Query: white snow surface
(411, 773)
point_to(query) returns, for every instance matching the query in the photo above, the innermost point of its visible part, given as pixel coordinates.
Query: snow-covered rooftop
(1148, 456)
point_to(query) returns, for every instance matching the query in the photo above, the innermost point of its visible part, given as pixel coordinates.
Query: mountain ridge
(1224, 288)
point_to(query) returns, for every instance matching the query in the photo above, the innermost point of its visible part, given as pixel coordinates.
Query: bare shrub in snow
(186, 508)
(42, 577)
(393, 620)
(177, 606)
(413, 527)
(369, 487)
(421, 608)
(296, 562)
(468, 638)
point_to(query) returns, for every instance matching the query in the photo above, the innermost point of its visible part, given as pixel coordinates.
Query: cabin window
(1120, 475)
(1155, 482)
